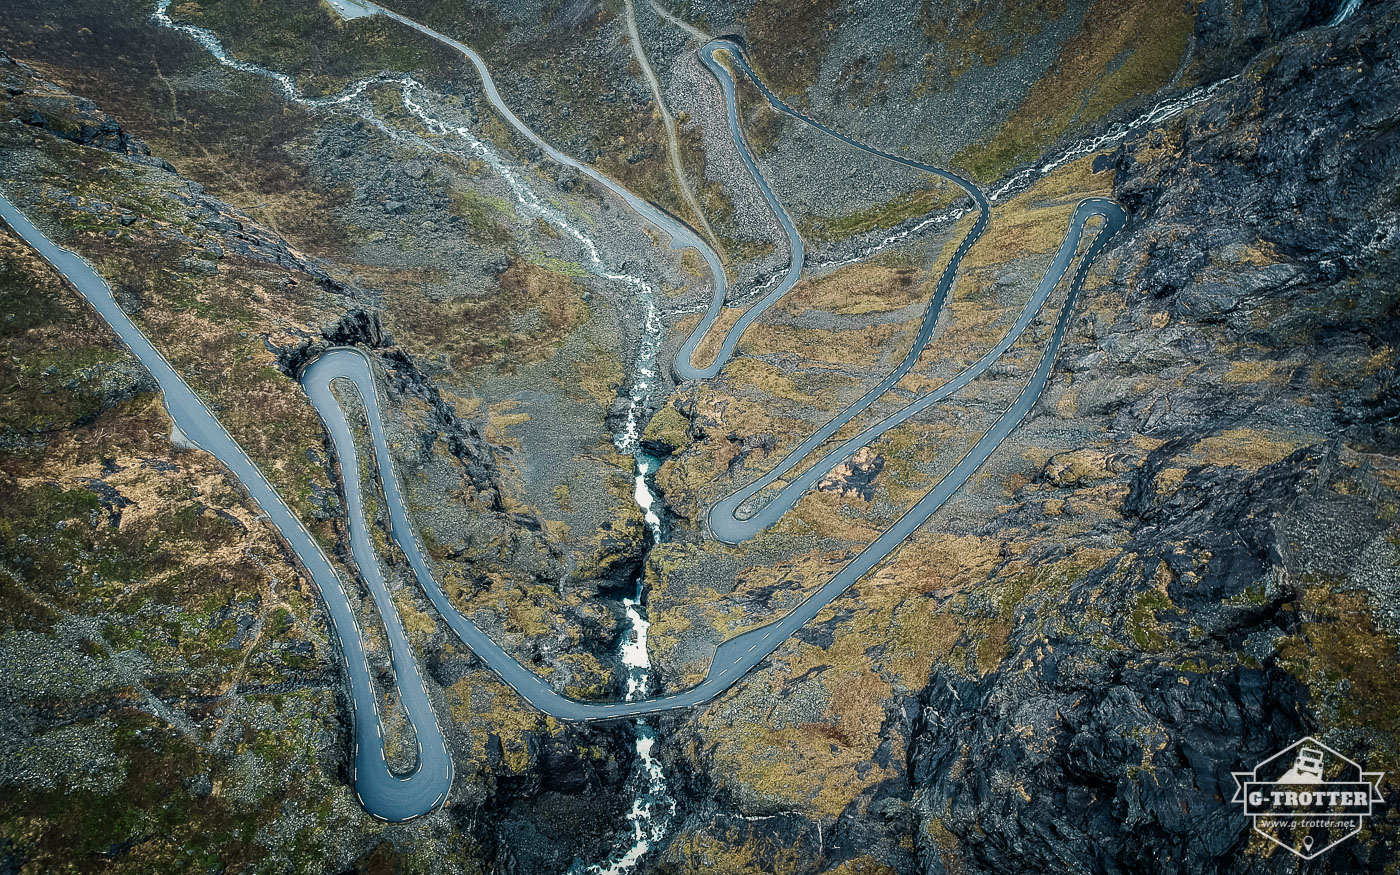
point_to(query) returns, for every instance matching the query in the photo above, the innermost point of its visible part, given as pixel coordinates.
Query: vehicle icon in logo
(1307, 798)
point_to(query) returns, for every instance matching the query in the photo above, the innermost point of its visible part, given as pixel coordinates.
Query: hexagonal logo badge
(1307, 798)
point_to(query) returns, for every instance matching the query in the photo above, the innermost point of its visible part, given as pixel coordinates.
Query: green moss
(886, 215)
(150, 822)
(1193, 666)
(1139, 44)
(1255, 594)
(502, 334)
(571, 269)
(1142, 625)
(668, 428)
(1052, 577)
(486, 216)
(1350, 667)
(275, 34)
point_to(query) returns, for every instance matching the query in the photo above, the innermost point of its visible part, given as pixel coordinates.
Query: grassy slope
(131, 570)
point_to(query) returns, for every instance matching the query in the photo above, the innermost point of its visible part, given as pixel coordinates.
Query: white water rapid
(652, 806)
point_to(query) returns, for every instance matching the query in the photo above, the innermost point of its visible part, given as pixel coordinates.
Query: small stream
(653, 807)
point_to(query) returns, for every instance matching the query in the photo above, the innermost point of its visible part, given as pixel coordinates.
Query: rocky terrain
(1185, 559)
(238, 310)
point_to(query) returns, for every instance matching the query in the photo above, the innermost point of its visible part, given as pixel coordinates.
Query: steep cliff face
(1246, 606)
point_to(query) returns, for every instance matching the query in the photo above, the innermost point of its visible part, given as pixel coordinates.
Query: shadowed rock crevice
(1105, 740)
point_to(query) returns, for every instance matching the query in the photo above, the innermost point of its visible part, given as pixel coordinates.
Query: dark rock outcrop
(1227, 32)
(1122, 754)
(463, 438)
(1106, 745)
(358, 327)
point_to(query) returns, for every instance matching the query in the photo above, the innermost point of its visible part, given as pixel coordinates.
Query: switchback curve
(395, 797)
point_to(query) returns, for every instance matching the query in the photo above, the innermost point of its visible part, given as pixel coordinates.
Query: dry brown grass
(1140, 42)
(1254, 372)
(1247, 448)
(855, 290)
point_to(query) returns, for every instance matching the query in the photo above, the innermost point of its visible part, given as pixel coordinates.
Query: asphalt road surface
(397, 797)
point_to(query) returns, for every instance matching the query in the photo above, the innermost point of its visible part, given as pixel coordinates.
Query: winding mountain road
(685, 367)
(400, 797)
(724, 519)
(381, 792)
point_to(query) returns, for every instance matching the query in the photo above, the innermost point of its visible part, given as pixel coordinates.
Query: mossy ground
(275, 34)
(807, 732)
(165, 613)
(213, 311)
(1124, 53)
(529, 316)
